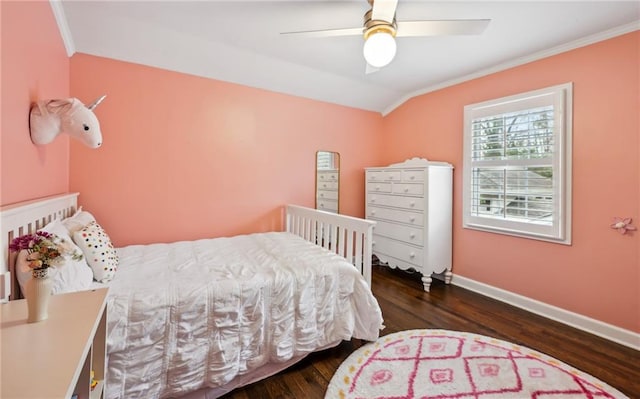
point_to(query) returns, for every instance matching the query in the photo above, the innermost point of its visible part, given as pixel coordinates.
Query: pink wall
(187, 157)
(599, 275)
(35, 66)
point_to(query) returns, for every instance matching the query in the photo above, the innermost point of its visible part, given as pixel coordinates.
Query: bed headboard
(25, 218)
(347, 236)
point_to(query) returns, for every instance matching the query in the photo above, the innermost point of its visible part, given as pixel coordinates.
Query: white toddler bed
(201, 318)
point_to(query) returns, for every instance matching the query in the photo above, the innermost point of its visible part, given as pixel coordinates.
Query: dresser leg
(426, 281)
(447, 276)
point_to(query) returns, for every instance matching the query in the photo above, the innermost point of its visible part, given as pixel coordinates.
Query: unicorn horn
(97, 102)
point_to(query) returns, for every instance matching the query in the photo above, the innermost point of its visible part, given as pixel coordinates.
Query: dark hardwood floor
(406, 306)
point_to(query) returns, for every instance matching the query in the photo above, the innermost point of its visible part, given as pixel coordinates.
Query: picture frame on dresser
(412, 203)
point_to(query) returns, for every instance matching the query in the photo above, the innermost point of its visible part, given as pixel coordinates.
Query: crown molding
(63, 26)
(585, 41)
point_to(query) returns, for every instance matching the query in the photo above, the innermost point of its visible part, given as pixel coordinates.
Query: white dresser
(327, 190)
(412, 205)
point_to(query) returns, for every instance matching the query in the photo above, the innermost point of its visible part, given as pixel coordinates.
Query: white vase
(37, 291)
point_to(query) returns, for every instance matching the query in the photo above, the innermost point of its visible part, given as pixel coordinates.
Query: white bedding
(196, 314)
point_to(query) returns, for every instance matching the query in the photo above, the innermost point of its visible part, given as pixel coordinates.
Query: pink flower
(44, 249)
(622, 225)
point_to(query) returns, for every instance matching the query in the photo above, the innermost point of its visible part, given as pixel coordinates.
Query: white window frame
(561, 97)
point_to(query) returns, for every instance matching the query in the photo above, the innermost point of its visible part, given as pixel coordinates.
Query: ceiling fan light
(379, 49)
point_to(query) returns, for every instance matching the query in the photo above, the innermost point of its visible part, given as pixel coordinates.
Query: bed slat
(26, 218)
(345, 235)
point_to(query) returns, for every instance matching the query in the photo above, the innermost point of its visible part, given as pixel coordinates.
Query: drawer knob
(412, 255)
(322, 194)
(412, 177)
(406, 189)
(373, 243)
(412, 235)
(373, 212)
(412, 203)
(412, 219)
(373, 199)
(377, 188)
(321, 205)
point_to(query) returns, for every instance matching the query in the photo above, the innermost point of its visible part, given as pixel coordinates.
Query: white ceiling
(240, 41)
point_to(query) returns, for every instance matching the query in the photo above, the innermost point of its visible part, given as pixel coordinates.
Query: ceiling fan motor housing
(372, 26)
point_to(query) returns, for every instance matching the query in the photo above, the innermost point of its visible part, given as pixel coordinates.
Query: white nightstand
(53, 358)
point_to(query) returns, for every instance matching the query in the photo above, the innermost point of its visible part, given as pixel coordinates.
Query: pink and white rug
(440, 364)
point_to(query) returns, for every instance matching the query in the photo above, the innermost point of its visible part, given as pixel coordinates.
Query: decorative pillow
(73, 275)
(98, 250)
(77, 221)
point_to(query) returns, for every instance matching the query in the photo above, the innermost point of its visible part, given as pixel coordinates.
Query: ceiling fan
(381, 28)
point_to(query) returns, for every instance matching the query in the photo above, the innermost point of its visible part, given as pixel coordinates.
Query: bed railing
(25, 218)
(347, 236)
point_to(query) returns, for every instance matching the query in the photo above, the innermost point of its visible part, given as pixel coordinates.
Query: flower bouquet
(44, 250)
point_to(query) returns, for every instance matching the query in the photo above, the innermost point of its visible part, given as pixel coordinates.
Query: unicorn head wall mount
(49, 118)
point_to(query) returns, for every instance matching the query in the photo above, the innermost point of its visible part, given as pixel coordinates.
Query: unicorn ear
(59, 106)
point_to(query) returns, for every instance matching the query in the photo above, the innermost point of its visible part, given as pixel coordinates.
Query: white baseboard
(593, 326)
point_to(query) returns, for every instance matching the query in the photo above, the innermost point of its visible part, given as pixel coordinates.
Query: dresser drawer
(331, 176)
(384, 175)
(325, 194)
(327, 205)
(395, 215)
(412, 175)
(398, 250)
(396, 201)
(408, 188)
(412, 235)
(379, 187)
(327, 185)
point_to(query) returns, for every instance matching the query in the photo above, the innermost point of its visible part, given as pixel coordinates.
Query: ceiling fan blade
(326, 32)
(442, 27)
(370, 69)
(384, 10)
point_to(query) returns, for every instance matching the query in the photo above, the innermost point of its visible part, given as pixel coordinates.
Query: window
(517, 165)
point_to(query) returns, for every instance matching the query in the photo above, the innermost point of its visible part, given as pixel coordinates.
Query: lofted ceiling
(241, 41)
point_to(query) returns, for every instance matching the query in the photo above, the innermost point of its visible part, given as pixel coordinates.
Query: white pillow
(78, 220)
(73, 275)
(98, 251)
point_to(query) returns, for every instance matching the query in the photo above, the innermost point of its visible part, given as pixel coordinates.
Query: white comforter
(196, 314)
